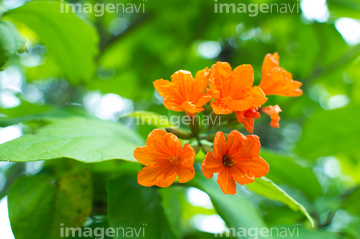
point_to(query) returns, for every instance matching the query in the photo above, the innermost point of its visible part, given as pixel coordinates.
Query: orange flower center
(227, 161)
(174, 159)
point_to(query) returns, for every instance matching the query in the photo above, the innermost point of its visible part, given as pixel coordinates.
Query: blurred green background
(103, 67)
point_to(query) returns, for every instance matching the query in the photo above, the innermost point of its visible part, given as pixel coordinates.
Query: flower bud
(195, 148)
(206, 148)
(210, 137)
(194, 125)
(180, 133)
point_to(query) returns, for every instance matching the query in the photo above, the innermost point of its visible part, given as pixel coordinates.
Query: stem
(194, 126)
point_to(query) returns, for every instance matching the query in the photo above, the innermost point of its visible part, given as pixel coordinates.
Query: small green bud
(210, 137)
(196, 148)
(180, 133)
(194, 125)
(206, 148)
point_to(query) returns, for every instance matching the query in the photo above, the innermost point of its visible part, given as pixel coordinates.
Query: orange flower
(247, 118)
(184, 93)
(233, 90)
(165, 159)
(235, 160)
(273, 112)
(276, 80)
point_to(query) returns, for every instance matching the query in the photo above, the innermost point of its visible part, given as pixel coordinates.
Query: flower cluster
(235, 159)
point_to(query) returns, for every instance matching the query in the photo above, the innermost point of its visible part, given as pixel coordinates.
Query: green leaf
(10, 41)
(351, 202)
(12, 172)
(354, 73)
(284, 170)
(83, 139)
(70, 40)
(38, 205)
(344, 8)
(94, 227)
(27, 112)
(200, 235)
(235, 210)
(267, 188)
(171, 203)
(286, 231)
(150, 118)
(138, 208)
(316, 234)
(25, 108)
(332, 132)
(200, 156)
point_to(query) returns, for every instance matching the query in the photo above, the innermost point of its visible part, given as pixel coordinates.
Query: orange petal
(277, 81)
(226, 181)
(258, 96)
(273, 112)
(202, 79)
(147, 176)
(174, 104)
(253, 167)
(168, 177)
(270, 61)
(220, 71)
(236, 141)
(232, 90)
(181, 75)
(147, 156)
(186, 174)
(247, 118)
(254, 98)
(215, 93)
(219, 108)
(183, 83)
(283, 84)
(150, 176)
(155, 135)
(220, 79)
(244, 75)
(204, 98)
(249, 124)
(163, 87)
(251, 147)
(241, 175)
(166, 159)
(172, 143)
(156, 150)
(185, 93)
(240, 105)
(211, 165)
(220, 145)
(155, 140)
(191, 108)
(187, 156)
(252, 113)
